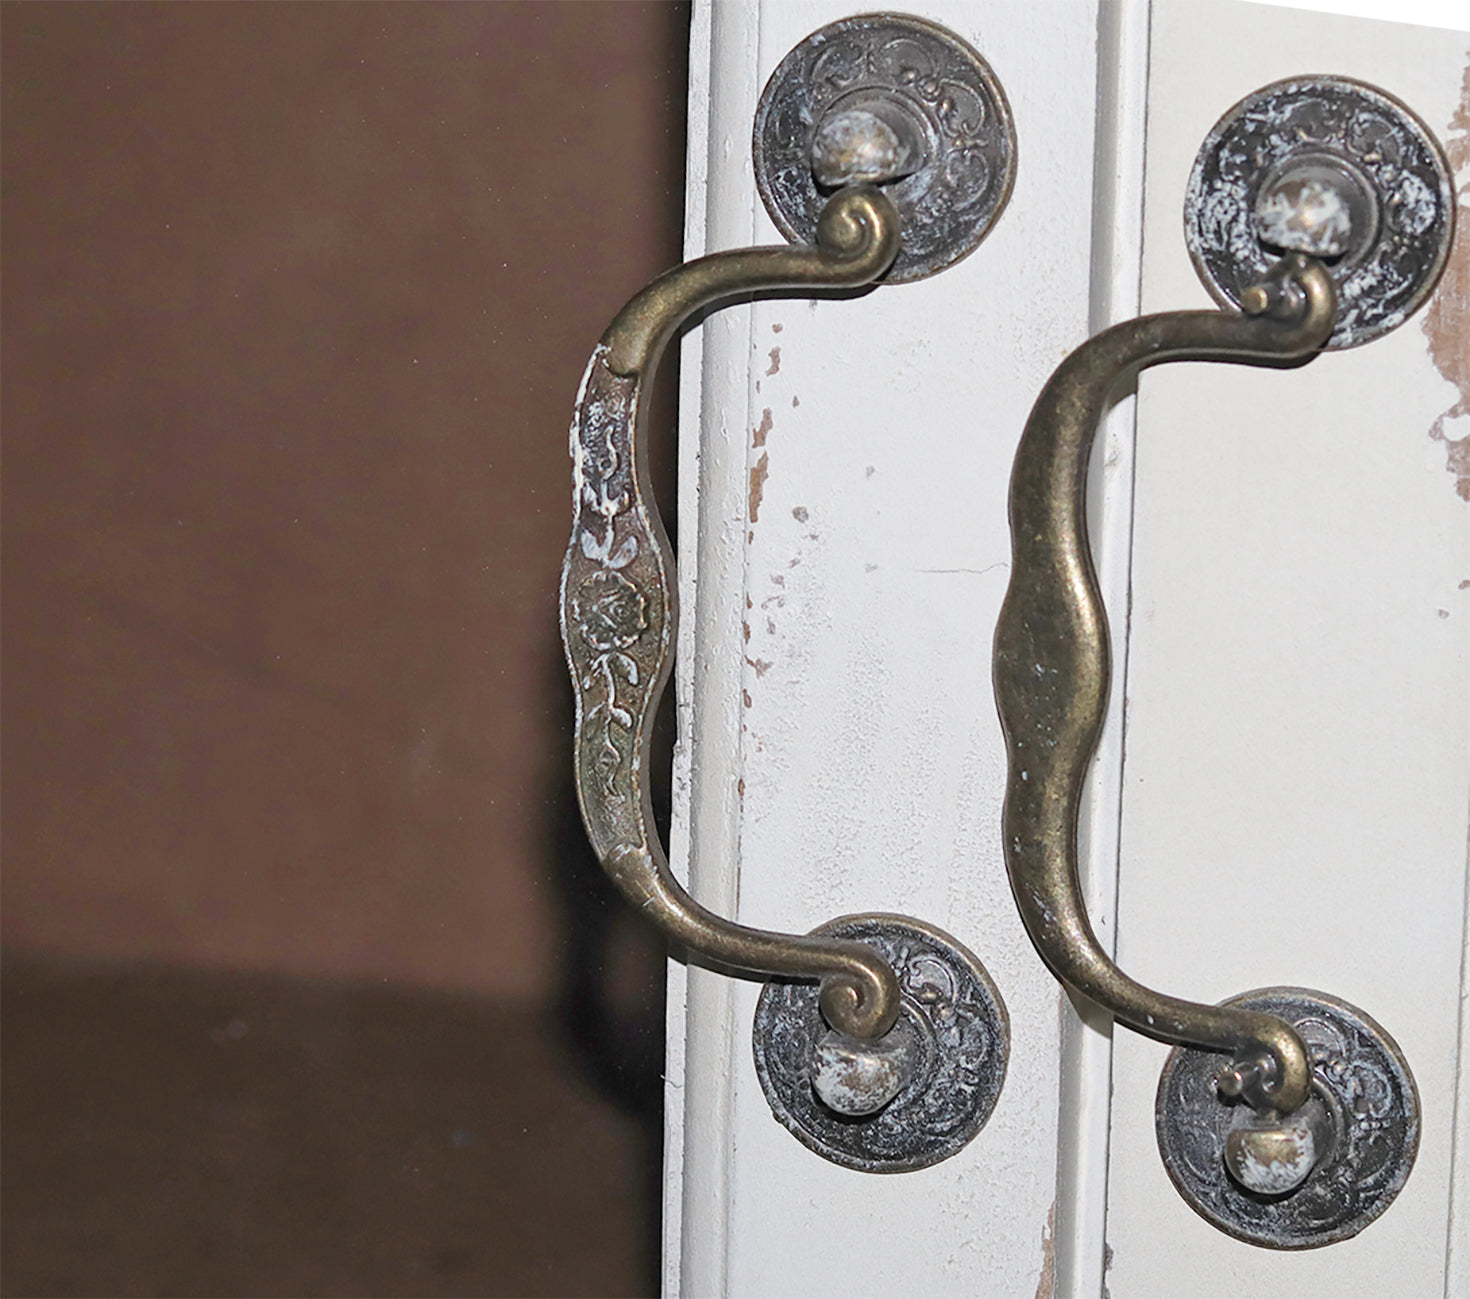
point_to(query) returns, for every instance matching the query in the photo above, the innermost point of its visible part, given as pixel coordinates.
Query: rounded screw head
(946, 1051)
(896, 101)
(860, 145)
(1277, 1156)
(1318, 206)
(855, 1077)
(1313, 1177)
(1331, 168)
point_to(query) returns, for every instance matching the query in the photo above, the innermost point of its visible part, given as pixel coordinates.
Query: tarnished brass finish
(1322, 1175)
(618, 607)
(1051, 660)
(920, 1095)
(896, 99)
(1334, 168)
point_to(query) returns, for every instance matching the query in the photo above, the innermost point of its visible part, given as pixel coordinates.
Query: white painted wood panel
(1298, 739)
(1296, 673)
(868, 765)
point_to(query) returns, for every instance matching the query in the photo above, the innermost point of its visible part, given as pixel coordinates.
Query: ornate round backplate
(939, 82)
(1394, 174)
(1373, 1108)
(957, 1029)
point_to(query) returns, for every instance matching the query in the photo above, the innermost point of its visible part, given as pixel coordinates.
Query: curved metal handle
(1051, 660)
(618, 610)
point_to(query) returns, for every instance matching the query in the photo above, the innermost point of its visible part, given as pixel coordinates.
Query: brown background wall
(296, 301)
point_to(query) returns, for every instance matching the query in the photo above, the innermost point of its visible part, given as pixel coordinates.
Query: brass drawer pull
(618, 604)
(848, 1067)
(1052, 663)
(1280, 1150)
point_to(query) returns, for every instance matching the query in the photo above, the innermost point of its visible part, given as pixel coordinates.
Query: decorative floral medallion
(609, 611)
(615, 604)
(943, 85)
(952, 1021)
(1394, 179)
(1372, 1103)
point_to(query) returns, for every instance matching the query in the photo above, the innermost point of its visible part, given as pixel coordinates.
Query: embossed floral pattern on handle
(618, 608)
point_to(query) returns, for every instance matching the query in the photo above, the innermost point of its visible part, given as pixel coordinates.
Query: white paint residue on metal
(1280, 1160)
(1314, 220)
(1296, 702)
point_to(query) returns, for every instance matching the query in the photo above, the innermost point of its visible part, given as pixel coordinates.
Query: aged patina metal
(1313, 165)
(1364, 1113)
(950, 150)
(618, 606)
(1333, 168)
(1051, 659)
(876, 143)
(952, 1039)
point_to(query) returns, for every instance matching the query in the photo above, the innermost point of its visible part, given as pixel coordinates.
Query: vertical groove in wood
(1080, 1244)
(1457, 1239)
(677, 1006)
(702, 1036)
(873, 761)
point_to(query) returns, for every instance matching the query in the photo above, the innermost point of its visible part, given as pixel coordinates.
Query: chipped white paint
(703, 831)
(866, 741)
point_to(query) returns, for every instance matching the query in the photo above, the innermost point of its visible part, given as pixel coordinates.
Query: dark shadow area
(173, 1132)
(610, 1012)
(611, 996)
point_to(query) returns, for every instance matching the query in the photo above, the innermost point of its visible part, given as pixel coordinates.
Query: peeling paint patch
(763, 429)
(775, 361)
(745, 695)
(1447, 320)
(1046, 1283)
(776, 329)
(800, 514)
(758, 473)
(761, 666)
(795, 402)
